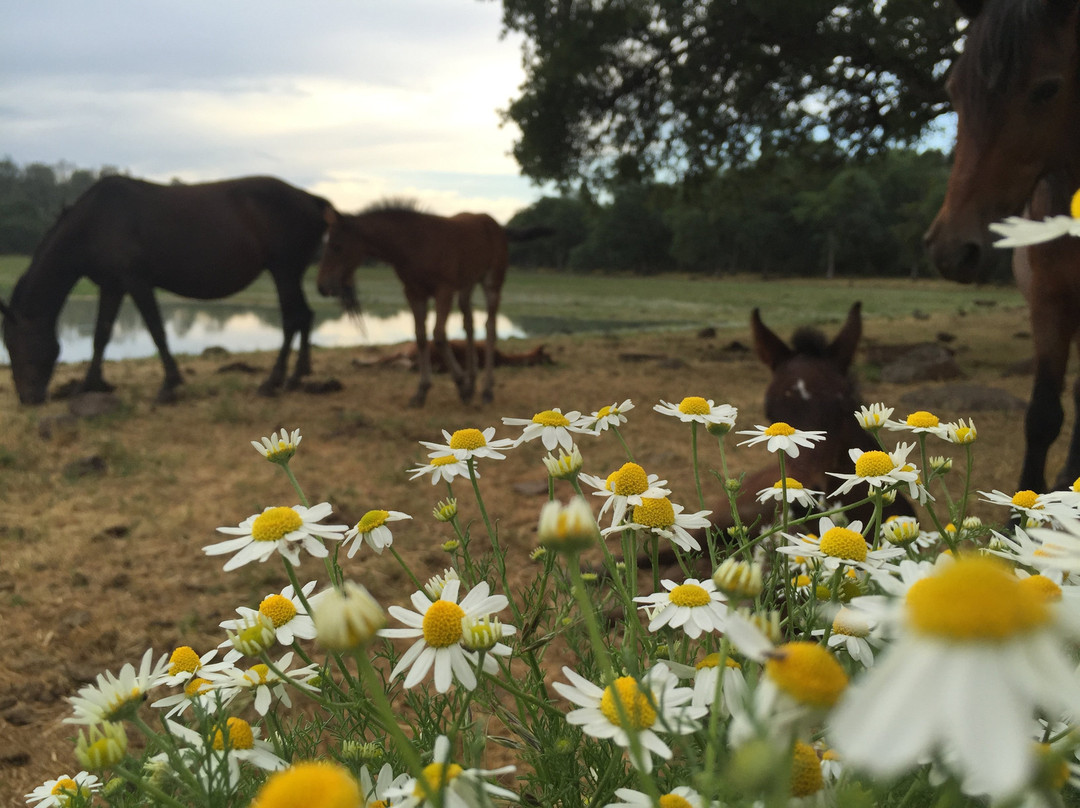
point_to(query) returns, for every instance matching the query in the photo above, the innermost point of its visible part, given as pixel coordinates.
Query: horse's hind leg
(1071, 471)
(492, 296)
(418, 304)
(1042, 423)
(108, 306)
(465, 303)
(143, 295)
(296, 315)
(444, 300)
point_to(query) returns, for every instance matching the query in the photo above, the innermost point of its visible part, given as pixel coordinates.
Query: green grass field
(548, 301)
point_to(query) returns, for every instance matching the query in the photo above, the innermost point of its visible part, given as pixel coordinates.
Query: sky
(354, 100)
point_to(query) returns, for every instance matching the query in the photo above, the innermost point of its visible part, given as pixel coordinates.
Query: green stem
(694, 456)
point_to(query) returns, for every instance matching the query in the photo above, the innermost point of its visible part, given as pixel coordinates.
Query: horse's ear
(844, 346)
(330, 215)
(970, 8)
(770, 349)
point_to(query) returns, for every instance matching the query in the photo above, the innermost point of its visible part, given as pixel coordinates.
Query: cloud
(353, 100)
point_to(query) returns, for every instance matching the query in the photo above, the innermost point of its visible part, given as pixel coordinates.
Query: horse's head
(811, 387)
(343, 251)
(1015, 92)
(33, 347)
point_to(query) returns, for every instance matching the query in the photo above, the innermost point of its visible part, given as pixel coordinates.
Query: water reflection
(192, 327)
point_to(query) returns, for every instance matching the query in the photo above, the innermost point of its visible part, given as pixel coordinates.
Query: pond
(192, 327)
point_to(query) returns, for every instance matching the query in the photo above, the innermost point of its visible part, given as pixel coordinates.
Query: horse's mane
(808, 341)
(999, 46)
(394, 204)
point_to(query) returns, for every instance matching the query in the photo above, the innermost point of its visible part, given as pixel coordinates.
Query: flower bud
(568, 529)
(348, 618)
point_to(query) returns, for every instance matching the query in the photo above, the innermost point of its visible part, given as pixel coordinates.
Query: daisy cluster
(866, 643)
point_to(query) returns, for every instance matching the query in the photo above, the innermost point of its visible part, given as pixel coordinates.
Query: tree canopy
(629, 89)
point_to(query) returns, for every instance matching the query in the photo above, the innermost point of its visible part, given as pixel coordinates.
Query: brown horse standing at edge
(434, 257)
(131, 237)
(1016, 92)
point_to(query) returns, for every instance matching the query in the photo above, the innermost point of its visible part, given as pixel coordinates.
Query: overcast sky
(350, 99)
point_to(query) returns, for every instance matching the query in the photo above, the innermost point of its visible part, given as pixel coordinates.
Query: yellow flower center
(550, 418)
(635, 704)
(1042, 586)
(442, 624)
(313, 783)
(67, 787)
(844, 624)
(195, 686)
(1025, 499)
(690, 595)
(467, 439)
(806, 777)
(443, 460)
(694, 405)
(435, 776)
(808, 673)
(279, 609)
(674, 801)
(1076, 486)
(842, 542)
(274, 523)
(371, 520)
(713, 661)
(975, 599)
(656, 513)
(629, 480)
(780, 428)
(240, 735)
(1074, 206)
(873, 464)
(257, 673)
(800, 580)
(965, 434)
(604, 412)
(922, 420)
(788, 482)
(183, 660)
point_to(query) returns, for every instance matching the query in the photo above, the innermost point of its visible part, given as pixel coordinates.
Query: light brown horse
(1016, 93)
(436, 257)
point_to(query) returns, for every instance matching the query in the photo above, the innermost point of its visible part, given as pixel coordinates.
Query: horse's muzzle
(957, 259)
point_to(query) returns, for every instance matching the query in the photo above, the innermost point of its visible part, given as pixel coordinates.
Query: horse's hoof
(167, 395)
(99, 386)
(488, 396)
(268, 390)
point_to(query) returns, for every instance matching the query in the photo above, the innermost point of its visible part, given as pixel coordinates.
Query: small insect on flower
(449, 785)
(60, 792)
(781, 437)
(553, 427)
(279, 449)
(372, 529)
(695, 409)
(278, 529)
(113, 697)
(606, 417)
(694, 606)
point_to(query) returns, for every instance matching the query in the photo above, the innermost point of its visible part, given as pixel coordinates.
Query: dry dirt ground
(105, 517)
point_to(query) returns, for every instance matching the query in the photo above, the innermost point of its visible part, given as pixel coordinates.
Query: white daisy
(878, 469)
(1016, 231)
(1028, 503)
(706, 674)
(1043, 551)
(278, 449)
(796, 493)
(694, 606)
(438, 629)
(664, 518)
(372, 529)
(377, 793)
(262, 683)
(681, 796)
(291, 620)
(838, 546)
(625, 487)
(184, 663)
(606, 417)
(449, 784)
(224, 750)
(961, 432)
(442, 467)
(654, 704)
(553, 427)
(920, 422)
(60, 792)
(113, 697)
(695, 409)
(851, 632)
(781, 437)
(281, 530)
(968, 621)
(469, 444)
(872, 418)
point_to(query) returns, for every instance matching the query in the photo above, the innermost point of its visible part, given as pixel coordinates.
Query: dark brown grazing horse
(130, 237)
(811, 389)
(434, 257)
(1016, 92)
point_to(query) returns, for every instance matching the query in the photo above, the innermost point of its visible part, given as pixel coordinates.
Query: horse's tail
(528, 233)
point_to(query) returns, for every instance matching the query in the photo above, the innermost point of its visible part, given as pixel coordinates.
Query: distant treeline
(808, 215)
(32, 196)
(792, 215)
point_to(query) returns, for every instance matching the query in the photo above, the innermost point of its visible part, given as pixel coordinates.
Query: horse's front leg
(109, 301)
(1071, 472)
(296, 316)
(143, 295)
(418, 304)
(444, 299)
(465, 304)
(1042, 423)
(492, 297)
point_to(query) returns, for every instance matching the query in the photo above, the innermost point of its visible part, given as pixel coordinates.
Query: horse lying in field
(812, 388)
(131, 237)
(409, 357)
